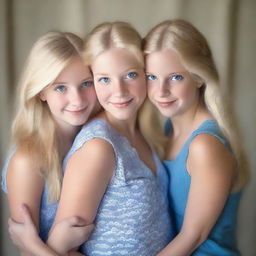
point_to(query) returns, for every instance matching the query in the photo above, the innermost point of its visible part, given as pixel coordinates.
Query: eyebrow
(100, 74)
(173, 73)
(58, 83)
(124, 71)
(84, 79)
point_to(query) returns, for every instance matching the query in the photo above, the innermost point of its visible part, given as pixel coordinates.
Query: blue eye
(104, 80)
(151, 77)
(60, 88)
(176, 77)
(87, 83)
(131, 75)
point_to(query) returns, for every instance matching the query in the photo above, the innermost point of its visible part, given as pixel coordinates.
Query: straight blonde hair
(110, 35)
(33, 128)
(193, 49)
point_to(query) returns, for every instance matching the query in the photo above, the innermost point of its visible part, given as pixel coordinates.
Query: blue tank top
(47, 210)
(221, 240)
(133, 216)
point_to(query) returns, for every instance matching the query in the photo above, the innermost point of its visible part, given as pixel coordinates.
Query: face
(170, 86)
(71, 98)
(120, 83)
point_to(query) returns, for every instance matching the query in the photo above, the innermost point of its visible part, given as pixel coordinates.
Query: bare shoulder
(97, 153)
(23, 162)
(208, 151)
(23, 171)
(207, 144)
(96, 147)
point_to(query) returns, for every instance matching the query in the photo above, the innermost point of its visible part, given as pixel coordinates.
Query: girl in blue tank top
(56, 97)
(203, 157)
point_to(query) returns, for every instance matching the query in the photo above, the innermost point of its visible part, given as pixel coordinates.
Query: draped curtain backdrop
(229, 26)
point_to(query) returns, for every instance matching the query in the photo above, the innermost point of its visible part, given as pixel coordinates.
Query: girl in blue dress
(55, 98)
(203, 155)
(112, 177)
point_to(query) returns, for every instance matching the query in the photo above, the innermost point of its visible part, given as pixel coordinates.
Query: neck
(126, 127)
(65, 139)
(190, 120)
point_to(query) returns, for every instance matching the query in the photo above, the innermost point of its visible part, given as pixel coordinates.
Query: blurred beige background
(229, 26)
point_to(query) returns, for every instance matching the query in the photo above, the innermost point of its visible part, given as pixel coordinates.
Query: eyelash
(101, 80)
(60, 88)
(132, 74)
(87, 83)
(151, 77)
(63, 88)
(175, 76)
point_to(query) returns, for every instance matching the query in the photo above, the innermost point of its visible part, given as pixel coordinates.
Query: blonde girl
(112, 176)
(203, 154)
(56, 97)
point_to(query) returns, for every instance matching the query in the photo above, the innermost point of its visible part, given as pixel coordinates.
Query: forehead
(73, 70)
(164, 60)
(118, 59)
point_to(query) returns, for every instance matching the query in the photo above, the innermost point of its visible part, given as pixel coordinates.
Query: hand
(24, 235)
(68, 234)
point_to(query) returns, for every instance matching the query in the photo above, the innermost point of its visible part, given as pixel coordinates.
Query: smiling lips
(76, 112)
(122, 104)
(165, 104)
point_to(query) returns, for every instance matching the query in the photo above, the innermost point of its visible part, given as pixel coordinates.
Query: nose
(119, 88)
(77, 98)
(163, 88)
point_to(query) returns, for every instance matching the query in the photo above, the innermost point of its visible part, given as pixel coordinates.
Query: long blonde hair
(110, 35)
(34, 129)
(196, 56)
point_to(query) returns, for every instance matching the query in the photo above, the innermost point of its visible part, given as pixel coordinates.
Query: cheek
(99, 93)
(151, 91)
(141, 87)
(90, 94)
(187, 93)
(142, 91)
(55, 102)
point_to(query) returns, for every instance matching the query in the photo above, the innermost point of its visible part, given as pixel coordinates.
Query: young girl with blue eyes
(112, 177)
(55, 98)
(204, 158)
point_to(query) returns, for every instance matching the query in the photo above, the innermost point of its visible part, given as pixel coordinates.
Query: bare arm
(74, 228)
(86, 178)
(25, 186)
(211, 167)
(21, 233)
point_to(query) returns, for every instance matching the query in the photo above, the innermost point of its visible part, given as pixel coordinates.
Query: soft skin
(175, 93)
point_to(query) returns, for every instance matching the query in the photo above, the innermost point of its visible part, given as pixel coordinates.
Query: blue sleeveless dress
(47, 210)
(221, 240)
(133, 216)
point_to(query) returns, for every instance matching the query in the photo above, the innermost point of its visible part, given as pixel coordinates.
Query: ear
(42, 96)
